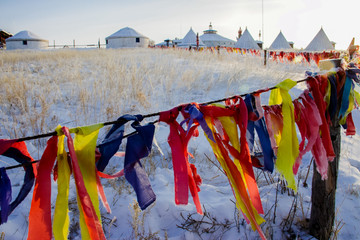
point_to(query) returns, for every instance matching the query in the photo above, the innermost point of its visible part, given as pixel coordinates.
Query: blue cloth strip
(195, 114)
(5, 195)
(29, 179)
(262, 132)
(345, 97)
(111, 143)
(139, 146)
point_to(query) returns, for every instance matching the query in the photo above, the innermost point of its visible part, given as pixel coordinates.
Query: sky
(87, 21)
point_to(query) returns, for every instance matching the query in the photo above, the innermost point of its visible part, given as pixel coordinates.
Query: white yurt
(246, 41)
(280, 43)
(126, 38)
(190, 40)
(211, 39)
(26, 40)
(320, 42)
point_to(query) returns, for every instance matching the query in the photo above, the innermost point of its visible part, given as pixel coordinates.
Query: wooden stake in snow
(324, 191)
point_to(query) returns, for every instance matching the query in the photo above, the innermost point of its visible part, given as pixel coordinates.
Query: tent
(246, 41)
(26, 40)
(190, 40)
(211, 39)
(280, 43)
(126, 38)
(320, 43)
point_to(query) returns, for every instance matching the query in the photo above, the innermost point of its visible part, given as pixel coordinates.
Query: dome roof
(25, 35)
(125, 33)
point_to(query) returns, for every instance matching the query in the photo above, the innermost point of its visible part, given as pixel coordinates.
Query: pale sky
(86, 21)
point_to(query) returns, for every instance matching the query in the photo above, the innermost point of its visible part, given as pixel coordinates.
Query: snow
(164, 217)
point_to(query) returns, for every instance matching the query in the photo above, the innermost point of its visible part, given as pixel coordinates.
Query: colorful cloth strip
(257, 123)
(185, 176)
(288, 149)
(19, 152)
(139, 146)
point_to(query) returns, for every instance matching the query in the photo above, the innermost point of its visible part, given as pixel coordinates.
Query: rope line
(43, 135)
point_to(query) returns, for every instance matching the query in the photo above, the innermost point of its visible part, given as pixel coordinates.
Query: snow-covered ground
(74, 88)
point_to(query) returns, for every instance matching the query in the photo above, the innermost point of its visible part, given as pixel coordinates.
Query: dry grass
(139, 232)
(44, 88)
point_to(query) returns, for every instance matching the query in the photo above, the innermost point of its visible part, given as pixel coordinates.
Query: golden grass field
(41, 89)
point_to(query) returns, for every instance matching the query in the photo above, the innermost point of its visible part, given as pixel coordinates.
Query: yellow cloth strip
(289, 145)
(239, 202)
(84, 145)
(61, 213)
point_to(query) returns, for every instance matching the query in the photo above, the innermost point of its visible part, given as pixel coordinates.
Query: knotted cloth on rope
(111, 143)
(314, 85)
(257, 122)
(90, 221)
(185, 176)
(288, 149)
(61, 219)
(223, 124)
(138, 146)
(308, 119)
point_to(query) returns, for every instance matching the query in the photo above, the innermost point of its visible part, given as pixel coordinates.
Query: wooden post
(265, 53)
(323, 192)
(74, 43)
(54, 43)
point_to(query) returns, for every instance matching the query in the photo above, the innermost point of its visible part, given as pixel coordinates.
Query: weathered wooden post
(265, 53)
(323, 192)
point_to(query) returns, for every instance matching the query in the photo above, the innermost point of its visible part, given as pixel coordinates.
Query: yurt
(280, 43)
(246, 41)
(126, 38)
(190, 40)
(26, 40)
(211, 39)
(320, 42)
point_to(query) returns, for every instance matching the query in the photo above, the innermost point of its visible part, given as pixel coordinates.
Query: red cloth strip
(40, 211)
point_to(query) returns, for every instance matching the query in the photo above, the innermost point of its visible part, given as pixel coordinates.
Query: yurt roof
(125, 33)
(246, 41)
(320, 42)
(280, 42)
(190, 39)
(214, 37)
(25, 35)
(211, 35)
